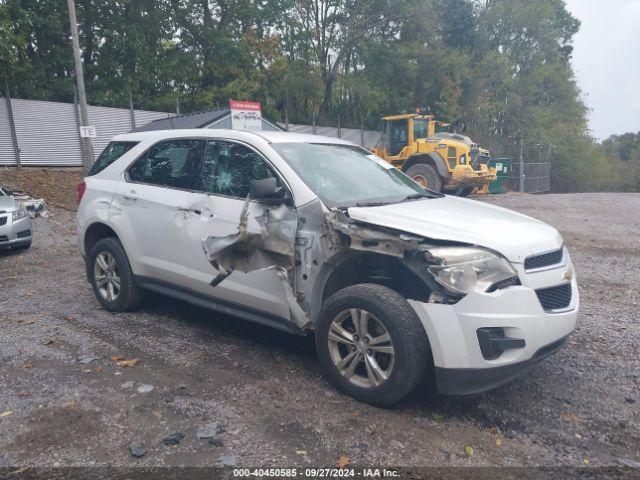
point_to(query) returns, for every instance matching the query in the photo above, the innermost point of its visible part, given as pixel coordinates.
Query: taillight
(80, 189)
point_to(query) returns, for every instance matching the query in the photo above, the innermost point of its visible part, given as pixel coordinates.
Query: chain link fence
(536, 177)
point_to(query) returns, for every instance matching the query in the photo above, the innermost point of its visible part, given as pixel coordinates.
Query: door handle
(130, 195)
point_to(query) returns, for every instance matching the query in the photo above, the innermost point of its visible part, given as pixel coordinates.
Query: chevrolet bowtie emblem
(568, 275)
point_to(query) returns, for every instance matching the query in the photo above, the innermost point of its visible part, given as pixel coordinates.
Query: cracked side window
(229, 168)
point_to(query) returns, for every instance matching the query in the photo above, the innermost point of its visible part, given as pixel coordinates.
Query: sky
(606, 61)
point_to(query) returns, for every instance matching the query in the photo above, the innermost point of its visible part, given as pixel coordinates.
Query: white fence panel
(7, 154)
(47, 133)
(353, 135)
(144, 116)
(108, 122)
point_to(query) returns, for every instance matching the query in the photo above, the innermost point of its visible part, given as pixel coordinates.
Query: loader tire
(426, 175)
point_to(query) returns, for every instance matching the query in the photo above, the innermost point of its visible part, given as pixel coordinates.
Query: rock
(216, 441)
(86, 360)
(173, 439)
(629, 463)
(359, 447)
(630, 400)
(128, 384)
(397, 444)
(137, 449)
(210, 430)
(144, 388)
(226, 460)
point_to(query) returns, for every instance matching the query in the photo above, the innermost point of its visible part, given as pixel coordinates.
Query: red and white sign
(245, 115)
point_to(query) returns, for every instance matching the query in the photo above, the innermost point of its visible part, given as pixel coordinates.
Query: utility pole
(82, 96)
(12, 125)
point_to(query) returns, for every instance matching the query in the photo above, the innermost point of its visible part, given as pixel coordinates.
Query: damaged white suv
(313, 234)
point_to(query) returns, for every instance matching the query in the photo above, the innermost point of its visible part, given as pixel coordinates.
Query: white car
(313, 234)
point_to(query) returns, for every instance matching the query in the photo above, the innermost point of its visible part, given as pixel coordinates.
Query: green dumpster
(503, 171)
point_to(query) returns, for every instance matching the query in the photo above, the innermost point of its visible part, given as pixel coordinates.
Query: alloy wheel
(361, 348)
(106, 276)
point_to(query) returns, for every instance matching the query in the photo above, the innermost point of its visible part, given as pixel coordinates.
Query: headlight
(463, 159)
(21, 212)
(461, 269)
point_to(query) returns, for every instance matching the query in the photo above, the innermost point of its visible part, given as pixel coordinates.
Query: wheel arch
(430, 158)
(95, 232)
(370, 267)
(92, 235)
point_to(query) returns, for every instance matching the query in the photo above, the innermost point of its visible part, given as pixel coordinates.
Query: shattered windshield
(344, 176)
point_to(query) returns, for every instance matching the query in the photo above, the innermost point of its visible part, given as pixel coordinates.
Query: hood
(8, 203)
(512, 234)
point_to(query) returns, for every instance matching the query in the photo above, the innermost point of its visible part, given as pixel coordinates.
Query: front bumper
(461, 367)
(15, 233)
(468, 381)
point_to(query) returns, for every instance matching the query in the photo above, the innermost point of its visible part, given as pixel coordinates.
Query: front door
(228, 170)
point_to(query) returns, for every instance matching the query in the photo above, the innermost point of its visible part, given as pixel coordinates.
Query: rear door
(155, 200)
(228, 170)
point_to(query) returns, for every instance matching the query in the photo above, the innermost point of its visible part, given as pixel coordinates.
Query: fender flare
(432, 158)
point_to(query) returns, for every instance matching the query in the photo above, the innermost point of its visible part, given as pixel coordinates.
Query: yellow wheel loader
(431, 153)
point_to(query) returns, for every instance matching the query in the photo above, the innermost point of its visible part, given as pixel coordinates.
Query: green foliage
(500, 65)
(623, 151)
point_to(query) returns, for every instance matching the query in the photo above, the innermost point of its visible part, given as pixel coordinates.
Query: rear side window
(110, 154)
(173, 163)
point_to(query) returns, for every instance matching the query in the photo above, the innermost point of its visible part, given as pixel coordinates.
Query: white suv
(313, 234)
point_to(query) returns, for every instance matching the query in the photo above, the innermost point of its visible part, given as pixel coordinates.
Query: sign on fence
(88, 131)
(245, 115)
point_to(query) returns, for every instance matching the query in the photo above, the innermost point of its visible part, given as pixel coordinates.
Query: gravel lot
(579, 407)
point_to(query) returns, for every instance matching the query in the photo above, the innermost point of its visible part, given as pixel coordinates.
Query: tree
(501, 65)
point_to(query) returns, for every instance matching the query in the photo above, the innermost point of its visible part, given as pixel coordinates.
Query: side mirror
(268, 191)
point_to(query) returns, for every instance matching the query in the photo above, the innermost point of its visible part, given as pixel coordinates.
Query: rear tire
(426, 175)
(108, 262)
(386, 371)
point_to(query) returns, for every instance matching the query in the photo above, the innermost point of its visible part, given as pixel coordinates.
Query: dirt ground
(65, 402)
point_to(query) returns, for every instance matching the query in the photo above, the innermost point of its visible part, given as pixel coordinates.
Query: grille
(24, 234)
(555, 298)
(4, 238)
(543, 260)
(3, 220)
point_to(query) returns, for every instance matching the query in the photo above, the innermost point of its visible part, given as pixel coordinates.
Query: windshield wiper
(372, 204)
(415, 196)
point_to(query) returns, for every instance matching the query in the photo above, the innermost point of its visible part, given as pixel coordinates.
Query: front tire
(371, 344)
(111, 276)
(426, 175)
